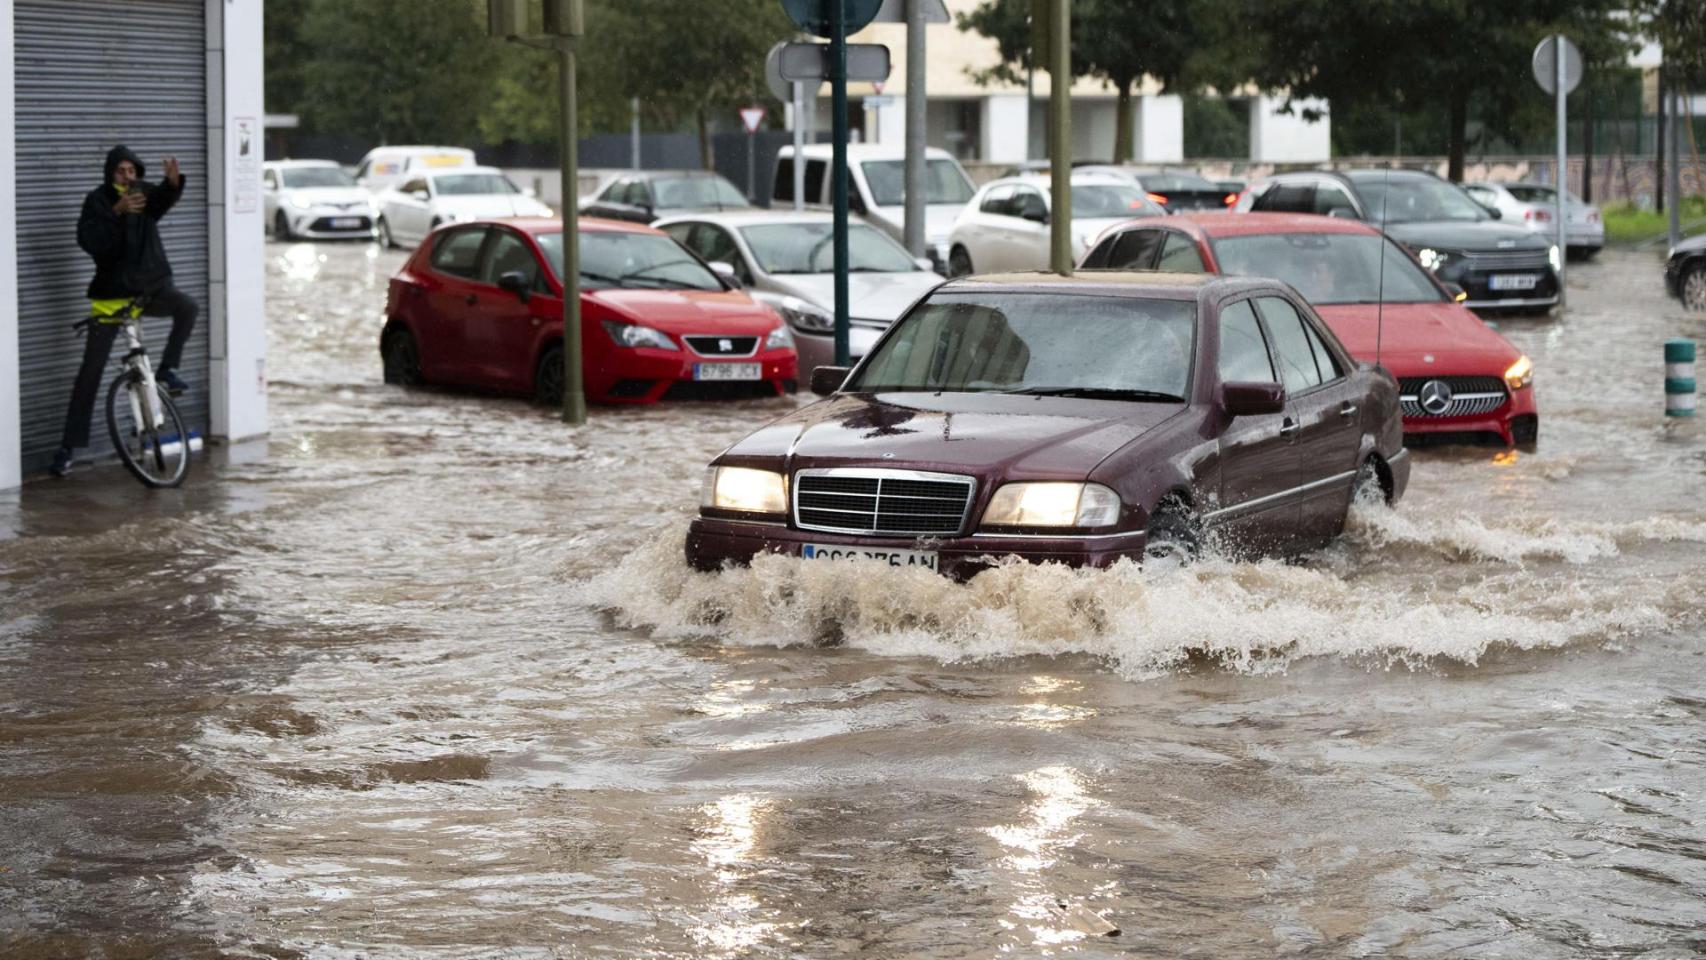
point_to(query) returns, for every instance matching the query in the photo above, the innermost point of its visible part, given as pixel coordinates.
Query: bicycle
(145, 427)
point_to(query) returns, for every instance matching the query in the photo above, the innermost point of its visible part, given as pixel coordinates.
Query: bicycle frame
(143, 409)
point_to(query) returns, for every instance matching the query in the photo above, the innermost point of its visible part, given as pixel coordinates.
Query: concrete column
(1288, 138)
(237, 333)
(11, 428)
(1158, 129)
(1005, 128)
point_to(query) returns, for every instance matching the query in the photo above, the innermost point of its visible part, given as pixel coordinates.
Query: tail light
(1538, 215)
(1158, 198)
(1230, 199)
(1593, 216)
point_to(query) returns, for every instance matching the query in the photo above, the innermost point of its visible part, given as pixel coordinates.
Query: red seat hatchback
(1457, 377)
(480, 304)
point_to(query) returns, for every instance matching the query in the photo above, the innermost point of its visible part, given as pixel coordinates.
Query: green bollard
(1679, 378)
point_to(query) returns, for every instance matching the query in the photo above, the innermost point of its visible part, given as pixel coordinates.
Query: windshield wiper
(1099, 393)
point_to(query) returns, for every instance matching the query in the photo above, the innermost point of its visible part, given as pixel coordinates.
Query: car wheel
(548, 377)
(385, 238)
(1694, 287)
(402, 358)
(281, 227)
(1175, 535)
(959, 263)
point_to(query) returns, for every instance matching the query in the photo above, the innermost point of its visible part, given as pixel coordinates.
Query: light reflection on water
(728, 841)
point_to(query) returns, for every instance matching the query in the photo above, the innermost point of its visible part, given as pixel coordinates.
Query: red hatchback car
(1457, 378)
(480, 304)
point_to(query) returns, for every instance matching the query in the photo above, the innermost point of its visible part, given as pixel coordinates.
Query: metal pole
(838, 170)
(634, 135)
(751, 168)
(799, 146)
(915, 198)
(1560, 179)
(574, 390)
(1060, 133)
(1673, 165)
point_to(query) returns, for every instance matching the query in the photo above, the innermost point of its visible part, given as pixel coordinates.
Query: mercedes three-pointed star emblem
(1435, 397)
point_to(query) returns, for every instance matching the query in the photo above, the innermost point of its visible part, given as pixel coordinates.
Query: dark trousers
(170, 302)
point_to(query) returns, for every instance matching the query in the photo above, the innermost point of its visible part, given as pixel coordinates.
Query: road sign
(894, 11)
(877, 85)
(810, 62)
(751, 117)
(878, 102)
(813, 16)
(781, 87)
(1545, 64)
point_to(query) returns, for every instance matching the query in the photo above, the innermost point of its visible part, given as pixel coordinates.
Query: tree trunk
(1587, 161)
(1123, 122)
(707, 158)
(1459, 135)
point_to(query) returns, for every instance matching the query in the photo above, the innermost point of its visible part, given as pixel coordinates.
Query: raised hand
(173, 175)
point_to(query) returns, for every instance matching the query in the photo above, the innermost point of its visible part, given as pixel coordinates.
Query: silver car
(314, 199)
(787, 260)
(1534, 205)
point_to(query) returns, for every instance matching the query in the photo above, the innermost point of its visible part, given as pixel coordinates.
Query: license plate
(728, 371)
(893, 558)
(1512, 281)
(345, 223)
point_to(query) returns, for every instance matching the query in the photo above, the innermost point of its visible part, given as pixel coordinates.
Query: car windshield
(1091, 201)
(316, 177)
(1037, 343)
(696, 193)
(944, 182)
(810, 248)
(1329, 267)
(1170, 182)
(616, 258)
(473, 184)
(1412, 199)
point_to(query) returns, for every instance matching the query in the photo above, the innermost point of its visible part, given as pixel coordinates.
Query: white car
(787, 260)
(386, 166)
(419, 205)
(876, 189)
(315, 199)
(1006, 226)
(1534, 205)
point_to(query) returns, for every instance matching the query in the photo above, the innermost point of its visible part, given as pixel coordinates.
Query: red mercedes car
(1458, 379)
(481, 304)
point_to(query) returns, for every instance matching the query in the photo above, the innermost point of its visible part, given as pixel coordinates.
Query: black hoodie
(130, 260)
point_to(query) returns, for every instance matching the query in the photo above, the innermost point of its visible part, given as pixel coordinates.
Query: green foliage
(1680, 28)
(1216, 127)
(1627, 224)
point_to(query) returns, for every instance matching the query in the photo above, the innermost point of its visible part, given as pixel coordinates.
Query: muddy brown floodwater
(423, 675)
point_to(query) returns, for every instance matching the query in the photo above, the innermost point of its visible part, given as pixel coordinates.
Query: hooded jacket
(130, 260)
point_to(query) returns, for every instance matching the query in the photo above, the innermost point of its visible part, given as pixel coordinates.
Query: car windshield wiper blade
(1100, 393)
(633, 274)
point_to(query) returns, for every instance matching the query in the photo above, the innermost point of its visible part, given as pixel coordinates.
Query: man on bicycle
(119, 228)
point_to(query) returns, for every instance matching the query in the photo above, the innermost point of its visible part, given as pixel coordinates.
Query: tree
(1680, 28)
(1182, 44)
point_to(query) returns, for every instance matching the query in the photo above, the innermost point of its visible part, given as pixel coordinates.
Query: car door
(1179, 254)
(499, 327)
(1332, 200)
(1329, 422)
(713, 244)
(1025, 236)
(1256, 511)
(449, 291)
(409, 219)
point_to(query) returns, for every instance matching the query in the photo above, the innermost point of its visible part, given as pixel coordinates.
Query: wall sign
(245, 165)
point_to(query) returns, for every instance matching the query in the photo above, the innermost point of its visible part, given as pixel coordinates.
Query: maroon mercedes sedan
(1073, 419)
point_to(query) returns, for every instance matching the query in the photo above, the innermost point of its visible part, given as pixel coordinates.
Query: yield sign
(751, 117)
(877, 85)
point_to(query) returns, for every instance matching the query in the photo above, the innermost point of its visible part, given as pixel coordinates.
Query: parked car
(1500, 265)
(384, 166)
(876, 189)
(313, 200)
(1534, 205)
(1174, 190)
(480, 305)
(1685, 273)
(1006, 226)
(421, 204)
(1457, 377)
(646, 196)
(1074, 419)
(787, 260)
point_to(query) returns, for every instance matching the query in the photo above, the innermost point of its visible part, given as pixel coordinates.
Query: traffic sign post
(1557, 66)
(750, 118)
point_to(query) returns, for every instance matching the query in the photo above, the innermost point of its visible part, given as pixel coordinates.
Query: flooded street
(424, 675)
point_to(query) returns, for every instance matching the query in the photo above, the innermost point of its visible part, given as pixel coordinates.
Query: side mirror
(827, 380)
(1252, 399)
(1035, 215)
(421, 195)
(727, 273)
(1495, 213)
(516, 282)
(1458, 294)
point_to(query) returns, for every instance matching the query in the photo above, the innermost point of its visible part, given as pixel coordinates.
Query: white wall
(1158, 129)
(1006, 128)
(886, 125)
(1288, 138)
(237, 259)
(11, 430)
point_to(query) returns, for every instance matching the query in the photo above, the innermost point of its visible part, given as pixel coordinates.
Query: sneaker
(61, 466)
(173, 383)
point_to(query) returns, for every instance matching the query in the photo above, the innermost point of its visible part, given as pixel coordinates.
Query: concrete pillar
(11, 428)
(1288, 138)
(1158, 129)
(1005, 128)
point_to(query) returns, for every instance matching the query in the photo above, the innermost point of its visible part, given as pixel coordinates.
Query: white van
(384, 166)
(876, 189)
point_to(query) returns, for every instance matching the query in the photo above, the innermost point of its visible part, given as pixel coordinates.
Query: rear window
(1170, 182)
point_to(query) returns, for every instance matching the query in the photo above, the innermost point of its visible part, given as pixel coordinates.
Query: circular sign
(814, 16)
(1545, 64)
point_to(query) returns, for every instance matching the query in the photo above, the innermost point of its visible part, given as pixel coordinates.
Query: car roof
(747, 217)
(1045, 181)
(1250, 224)
(1141, 284)
(860, 151)
(301, 163)
(538, 225)
(460, 171)
(672, 174)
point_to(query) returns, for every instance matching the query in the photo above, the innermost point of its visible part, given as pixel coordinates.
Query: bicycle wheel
(155, 449)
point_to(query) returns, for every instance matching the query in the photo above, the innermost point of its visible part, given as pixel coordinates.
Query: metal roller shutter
(91, 74)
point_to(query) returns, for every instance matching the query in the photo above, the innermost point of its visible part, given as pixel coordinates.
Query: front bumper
(713, 543)
(1506, 421)
(648, 375)
(316, 224)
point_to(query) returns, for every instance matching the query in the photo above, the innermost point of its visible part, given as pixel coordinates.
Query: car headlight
(779, 338)
(1553, 258)
(300, 202)
(1521, 373)
(1052, 505)
(634, 335)
(1432, 259)
(744, 489)
(802, 316)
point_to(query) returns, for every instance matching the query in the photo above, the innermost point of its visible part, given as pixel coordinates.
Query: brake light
(1230, 199)
(1593, 216)
(1540, 215)
(1158, 198)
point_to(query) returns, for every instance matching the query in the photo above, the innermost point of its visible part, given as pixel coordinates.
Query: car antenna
(1380, 283)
